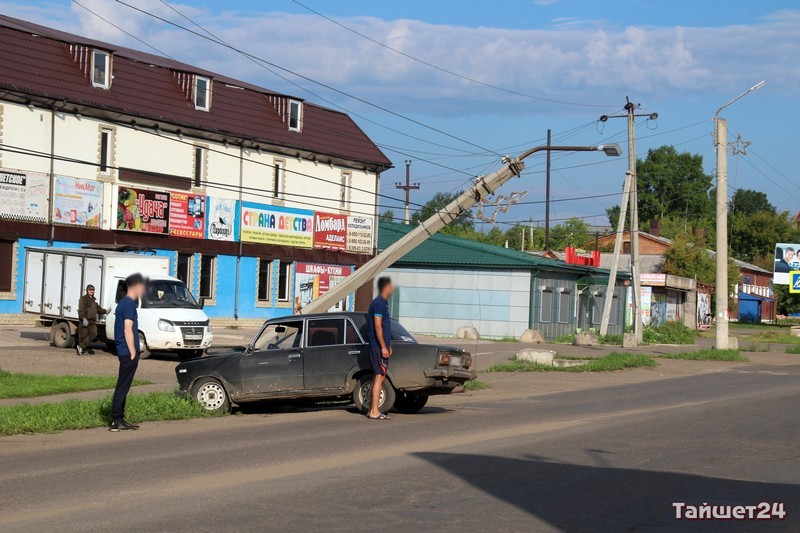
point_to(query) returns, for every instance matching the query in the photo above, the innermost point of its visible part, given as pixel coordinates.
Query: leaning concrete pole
(612, 276)
(482, 189)
(721, 285)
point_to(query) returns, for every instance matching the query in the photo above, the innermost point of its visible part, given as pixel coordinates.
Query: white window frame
(207, 105)
(106, 83)
(200, 153)
(345, 184)
(105, 157)
(270, 264)
(212, 280)
(299, 125)
(288, 286)
(278, 179)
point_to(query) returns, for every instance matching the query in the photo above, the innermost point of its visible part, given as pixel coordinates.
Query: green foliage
(611, 339)
(669, 333)
(387, 216)
(573, 232)
(793, 349)
(689, 258)
(749, 202)
(31, 385)
(709, 354)
(607, 363)
(564, 339)
(439, 201)
(613, 214)
(474, 384)
(77, 414)
(755, 234)
(778, 337)
(786, 302)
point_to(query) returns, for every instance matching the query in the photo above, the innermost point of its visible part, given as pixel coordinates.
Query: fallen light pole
(483, 188)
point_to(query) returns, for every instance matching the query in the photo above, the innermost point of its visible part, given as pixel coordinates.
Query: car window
(122, 290)
(280, 336)
(399, 333)
(325, 332)
(351, 334)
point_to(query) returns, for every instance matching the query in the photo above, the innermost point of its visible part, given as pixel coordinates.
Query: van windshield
(168, 293)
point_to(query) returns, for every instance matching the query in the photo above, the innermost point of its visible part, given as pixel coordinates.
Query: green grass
(611, 339)
(753, 347)
(564, 339)
(31, 385)
(475, 384)
(777, 337)
(708, 354)
(607, 363)
(506, 339)
(669, 333)
(79, 414)
(793, 349)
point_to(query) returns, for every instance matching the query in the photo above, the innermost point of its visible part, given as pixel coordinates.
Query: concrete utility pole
(483, 188)
(407, 188)
(547, 199)
(721, 285)
(612, 276)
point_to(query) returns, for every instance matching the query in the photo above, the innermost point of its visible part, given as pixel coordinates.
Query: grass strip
(793, 349)
(14, 385)
(475, 384)
(776, 338)
(708, 354)
(82, 414)
(607, 363)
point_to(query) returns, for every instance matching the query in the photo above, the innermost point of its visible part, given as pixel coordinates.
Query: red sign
(330, 231)
(187, 215)
(142, 210)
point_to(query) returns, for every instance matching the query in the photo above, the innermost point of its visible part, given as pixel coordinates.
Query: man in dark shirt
(88, 311)
(379, 330)
(126, 337)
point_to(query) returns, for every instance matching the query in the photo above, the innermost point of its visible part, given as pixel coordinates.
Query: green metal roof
(447, 250)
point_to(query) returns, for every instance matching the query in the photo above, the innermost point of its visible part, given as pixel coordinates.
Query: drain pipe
(239, 255)
(51, 181)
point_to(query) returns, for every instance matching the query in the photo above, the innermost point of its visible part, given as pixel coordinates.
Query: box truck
(169, 316)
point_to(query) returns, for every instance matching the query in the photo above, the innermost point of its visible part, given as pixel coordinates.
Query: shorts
(379, 363)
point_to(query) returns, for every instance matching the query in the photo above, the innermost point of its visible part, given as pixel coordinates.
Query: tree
(786, 302)
(688, 257)
(573, 232)
(756, 235)
(440, 200)
(613, 216)
(387, 216)
(672, 182)
(749, 202)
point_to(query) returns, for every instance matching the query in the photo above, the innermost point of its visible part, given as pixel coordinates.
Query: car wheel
(211, 394)
(362, 394)
(144, 351)
(62, 336)
(410, 403)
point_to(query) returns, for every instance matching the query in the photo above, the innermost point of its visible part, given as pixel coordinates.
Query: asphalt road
(603, 459)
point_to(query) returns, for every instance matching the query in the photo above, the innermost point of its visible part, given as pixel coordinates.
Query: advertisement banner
(187, 215)
(266, 224)
(222, 219)
(312, 280)
(142, 210)
(359, 234)
(330, 231)
(78, 202)
(24, 195)
(786, 261)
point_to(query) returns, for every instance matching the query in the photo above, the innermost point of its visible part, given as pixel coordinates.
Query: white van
(169, 316)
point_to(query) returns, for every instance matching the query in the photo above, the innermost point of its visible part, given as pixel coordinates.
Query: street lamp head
(610, 149)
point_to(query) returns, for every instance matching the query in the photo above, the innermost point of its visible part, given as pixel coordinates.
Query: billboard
(359, 234)
(222, 219)
(266, 224)
(142, 210)
(78, 202)
(786, 261)
(330, 231)
(187, 215)
(312, 280)
(24, 195)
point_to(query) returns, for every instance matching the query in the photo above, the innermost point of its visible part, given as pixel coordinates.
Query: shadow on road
(574, 497)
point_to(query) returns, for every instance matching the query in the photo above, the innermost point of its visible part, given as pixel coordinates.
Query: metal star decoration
(502, 203)
(739, 146)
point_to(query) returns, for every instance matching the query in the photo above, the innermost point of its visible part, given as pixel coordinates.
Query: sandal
(382, 416)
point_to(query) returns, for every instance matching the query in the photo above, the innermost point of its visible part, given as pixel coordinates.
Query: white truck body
(56, 278)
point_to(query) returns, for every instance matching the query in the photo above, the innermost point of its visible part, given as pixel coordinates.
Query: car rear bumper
(449, 374)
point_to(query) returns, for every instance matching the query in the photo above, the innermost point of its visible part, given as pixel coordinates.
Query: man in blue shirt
(126, 338)
(379, 331)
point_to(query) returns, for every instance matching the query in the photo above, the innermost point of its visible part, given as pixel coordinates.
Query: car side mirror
(202, 302)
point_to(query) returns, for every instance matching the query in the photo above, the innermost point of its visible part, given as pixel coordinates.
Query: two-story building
(258, 198)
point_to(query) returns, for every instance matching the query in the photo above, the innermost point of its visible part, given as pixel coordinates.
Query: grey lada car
(323, 356)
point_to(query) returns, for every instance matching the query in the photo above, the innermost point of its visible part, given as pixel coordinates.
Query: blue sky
(681, 59)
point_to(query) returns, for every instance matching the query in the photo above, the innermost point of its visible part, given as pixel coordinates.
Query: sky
(514, 69)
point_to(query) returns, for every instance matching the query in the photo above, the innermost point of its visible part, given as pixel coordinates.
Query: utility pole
(547, 200)
(408, 188)
(612, 276)
(530, 231)
(522, 245)
(721, 285)
(636, 315)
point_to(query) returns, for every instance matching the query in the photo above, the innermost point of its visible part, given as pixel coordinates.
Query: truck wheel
(210, 393)
(144, 352)
(61, 335)
(410, 403)
(363, 390)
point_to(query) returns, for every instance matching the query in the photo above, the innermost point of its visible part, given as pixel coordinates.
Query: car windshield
(280, 336)
(168, 293)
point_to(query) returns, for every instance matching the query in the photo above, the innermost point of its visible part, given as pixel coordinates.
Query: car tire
(210, 393)
(61, 335)
(361, 394)
(410, 403)
(144, 351)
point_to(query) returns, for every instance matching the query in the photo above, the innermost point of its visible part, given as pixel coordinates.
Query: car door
(332, 349)
(275, 362)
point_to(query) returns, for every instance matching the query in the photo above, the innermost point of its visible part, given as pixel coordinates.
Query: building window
(344, 191)
(199, 165)
(101, 69)
(184, 270)
(284, 279)
(546, 312)
(208, 267)
(295, 115)
(264, 280)
(202, 93)
(6, 266)
(106, 142)
(278, 178)
(564, 299)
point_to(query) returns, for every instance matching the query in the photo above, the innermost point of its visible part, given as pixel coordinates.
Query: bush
(669, 333)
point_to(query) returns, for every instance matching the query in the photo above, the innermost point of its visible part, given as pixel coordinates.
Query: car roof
(340, 314)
